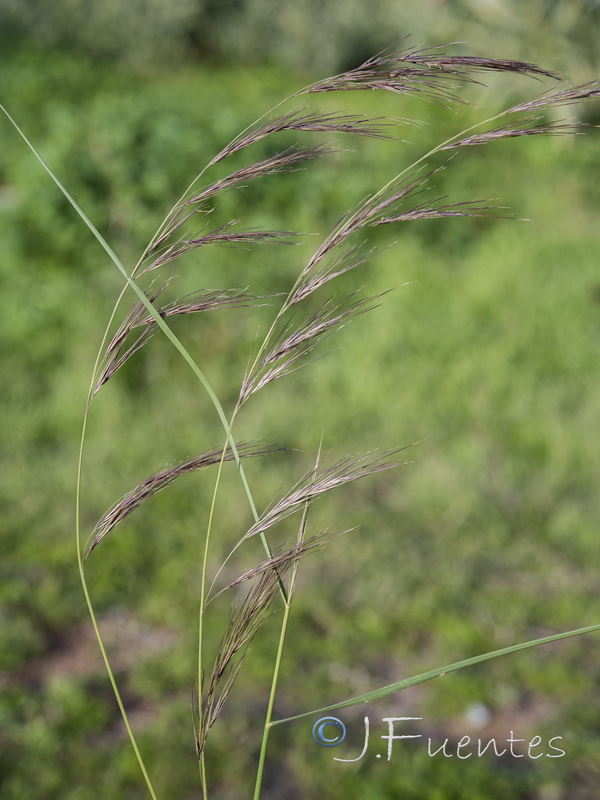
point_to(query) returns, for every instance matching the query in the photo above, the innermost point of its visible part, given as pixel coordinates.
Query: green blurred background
(487, 358)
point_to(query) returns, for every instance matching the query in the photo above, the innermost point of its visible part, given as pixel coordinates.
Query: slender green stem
(203, 593)
(88, 598)
(202, 607)
(110, 673)
(277, 666)
(269, 714)
(203, 781)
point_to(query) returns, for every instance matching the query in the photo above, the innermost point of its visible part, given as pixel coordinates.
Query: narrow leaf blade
(439, 671)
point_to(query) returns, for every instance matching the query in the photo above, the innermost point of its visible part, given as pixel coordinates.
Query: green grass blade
(437, 673)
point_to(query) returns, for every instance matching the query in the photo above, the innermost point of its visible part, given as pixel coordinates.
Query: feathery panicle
(311, 486)
(412, 71)
(468, 208)
(174, 221)
(421, 72)
(383, 208)
(244, 622)
(523, 127)
(368, 213)
(197, 302)
(325, 271)
(117, 353)
(302, 119)
(116, 358)
(282, 557)
(280, 162)
(424, 72)
(288, 348)
(159, 481)
(478, 64)
(563, 96)
(316, 327)
(222, 235)
(415, 71)
(246, 619)
(196, 203)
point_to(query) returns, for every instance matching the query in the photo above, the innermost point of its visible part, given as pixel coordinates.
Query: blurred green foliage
(307, 34)
(488, 357)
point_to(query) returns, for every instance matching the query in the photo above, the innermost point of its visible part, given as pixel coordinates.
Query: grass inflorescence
(311, 312)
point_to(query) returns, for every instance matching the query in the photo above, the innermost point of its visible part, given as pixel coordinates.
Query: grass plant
(310, 312)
